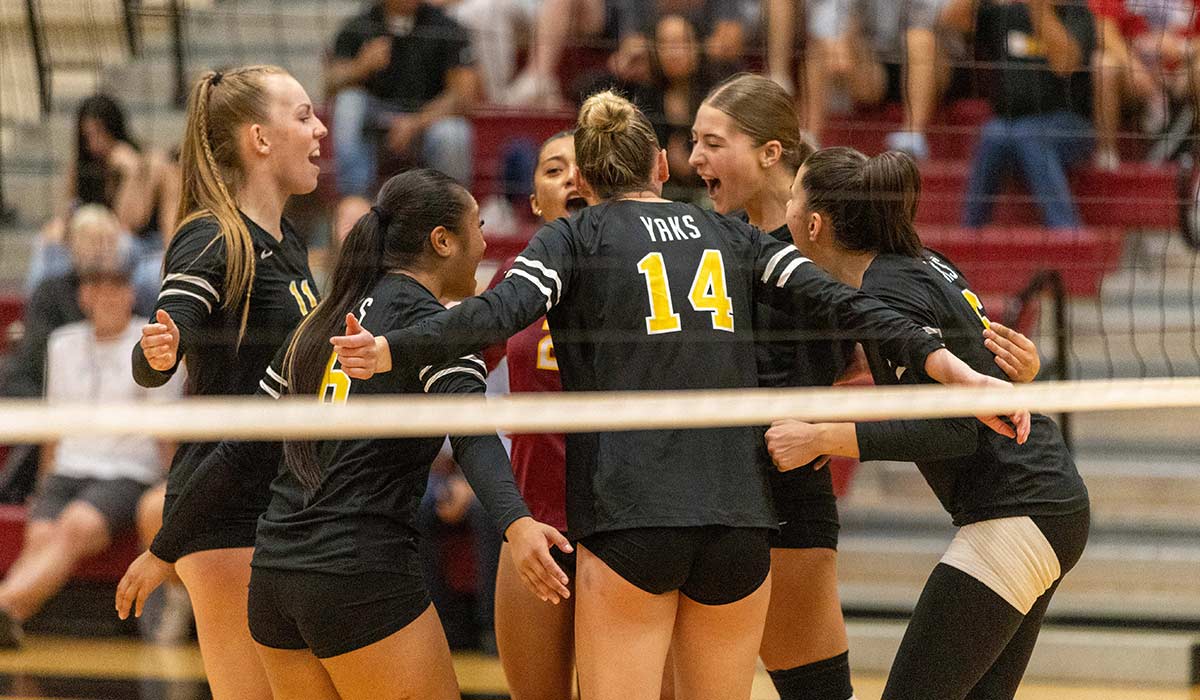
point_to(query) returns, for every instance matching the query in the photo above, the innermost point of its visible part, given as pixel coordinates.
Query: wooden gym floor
(125, 669)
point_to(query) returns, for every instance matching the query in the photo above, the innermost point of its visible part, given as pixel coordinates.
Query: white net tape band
(400, 416)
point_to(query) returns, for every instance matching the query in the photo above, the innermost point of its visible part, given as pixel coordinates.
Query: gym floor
(126, 669)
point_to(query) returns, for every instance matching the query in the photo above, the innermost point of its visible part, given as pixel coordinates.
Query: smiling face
(726, 159)
(293, 135)
(556, 180)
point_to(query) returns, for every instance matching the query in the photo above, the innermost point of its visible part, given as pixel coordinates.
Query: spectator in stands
(403, 76)
(1035, 57)
(1140, 64)
(141, 187)
(91, 485)
(681, 78)
(95, 238)
(450, 507)
(872, 52)
(724, 25)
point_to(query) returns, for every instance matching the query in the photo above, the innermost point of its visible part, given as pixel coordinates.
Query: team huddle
(638, 564)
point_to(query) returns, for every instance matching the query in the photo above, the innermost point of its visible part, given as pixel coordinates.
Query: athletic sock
(823, 680)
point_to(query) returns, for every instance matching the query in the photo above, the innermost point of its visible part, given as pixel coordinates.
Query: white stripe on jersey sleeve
(787, 271)
(184, 292)
(468, 358)
(548, 272)
(452, 370)
(541, 287)
(273, 375)
(262, 384)
(192, 280)
(775, 260)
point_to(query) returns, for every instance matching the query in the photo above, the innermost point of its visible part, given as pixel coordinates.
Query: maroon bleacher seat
(1137, 196)
(12, 310)
(108, 566)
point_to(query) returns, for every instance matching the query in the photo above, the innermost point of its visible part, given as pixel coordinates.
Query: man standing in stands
(403, 77)
(1034, 57)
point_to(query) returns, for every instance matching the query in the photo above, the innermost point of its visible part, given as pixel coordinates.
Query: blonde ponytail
(219, 103)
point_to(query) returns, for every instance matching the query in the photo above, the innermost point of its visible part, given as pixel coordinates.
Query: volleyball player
(338, 607)
(536, 639)
(236, 282)
(1022, 511)
(748, 148)
(672, 525)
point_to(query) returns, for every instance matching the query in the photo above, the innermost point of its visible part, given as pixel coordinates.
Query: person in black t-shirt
(1022, 510)
(236, 282)
(646, 294)
(403, 76)
(1035, 56)
(337, 604)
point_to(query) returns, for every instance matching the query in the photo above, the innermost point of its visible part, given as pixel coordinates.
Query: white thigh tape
(1008, 555)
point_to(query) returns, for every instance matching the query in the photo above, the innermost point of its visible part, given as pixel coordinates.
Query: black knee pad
(823, 680)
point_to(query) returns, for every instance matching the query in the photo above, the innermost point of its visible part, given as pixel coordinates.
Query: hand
(529, 542)
(1015, 354)
(374, 56)
(124, 158)
(145, 574)
(942, 366)
(361, 354)
(404, 130)
(1019, 419)
(794, 443)
(160, 342)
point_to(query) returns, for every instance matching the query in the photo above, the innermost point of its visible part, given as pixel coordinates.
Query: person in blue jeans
(1033, 57)
(403, 77)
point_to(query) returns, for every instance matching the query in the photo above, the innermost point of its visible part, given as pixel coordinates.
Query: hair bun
(606, 112)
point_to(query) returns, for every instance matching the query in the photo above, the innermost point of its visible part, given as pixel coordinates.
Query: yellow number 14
(708, 293)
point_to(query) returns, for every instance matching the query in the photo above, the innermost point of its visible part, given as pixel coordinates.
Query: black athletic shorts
(116, 499)
(712, 565)
(806, 507)
(231, 533)
(331, 614)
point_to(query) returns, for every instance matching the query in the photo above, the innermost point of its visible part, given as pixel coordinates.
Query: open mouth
(714, 186)
(315, 156)
(576, 203)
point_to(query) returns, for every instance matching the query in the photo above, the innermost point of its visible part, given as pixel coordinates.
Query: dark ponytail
(833, 185)
(893, 186)
(394, 234)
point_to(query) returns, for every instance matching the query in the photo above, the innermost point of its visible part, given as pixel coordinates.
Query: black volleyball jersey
(796, 351)
(363, 515)
(656, 296)
(193, 293)
(976, 473)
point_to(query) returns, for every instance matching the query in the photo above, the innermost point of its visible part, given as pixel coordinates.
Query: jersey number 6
(708, 293)
(335, 385)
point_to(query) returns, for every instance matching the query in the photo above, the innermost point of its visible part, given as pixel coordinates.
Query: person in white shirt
(89, 487)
